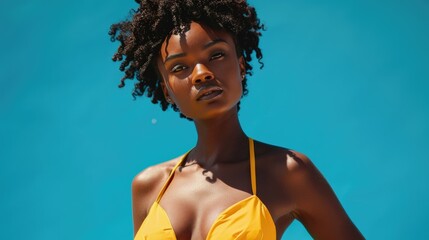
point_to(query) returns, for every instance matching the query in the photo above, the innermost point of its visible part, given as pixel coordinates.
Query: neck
(220, 140)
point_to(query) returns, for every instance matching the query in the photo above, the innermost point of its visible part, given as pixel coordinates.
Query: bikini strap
(252, 165)
(170, 177)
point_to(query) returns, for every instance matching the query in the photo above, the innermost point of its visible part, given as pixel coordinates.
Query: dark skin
(202, 75)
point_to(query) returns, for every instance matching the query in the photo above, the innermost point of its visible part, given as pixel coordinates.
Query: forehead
(194, 39)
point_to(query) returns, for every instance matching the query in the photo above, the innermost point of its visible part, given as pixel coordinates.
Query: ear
(165, 91)
(162, 81)
(242, 64)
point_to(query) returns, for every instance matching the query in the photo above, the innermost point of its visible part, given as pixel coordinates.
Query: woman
(194, 56)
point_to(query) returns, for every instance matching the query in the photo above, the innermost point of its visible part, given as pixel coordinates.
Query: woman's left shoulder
(288, 160)
(294, 170)
(314, 200)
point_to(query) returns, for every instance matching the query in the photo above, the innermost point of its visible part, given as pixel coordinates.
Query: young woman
(194, 56)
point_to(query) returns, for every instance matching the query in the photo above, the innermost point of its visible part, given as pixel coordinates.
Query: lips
(209, 93)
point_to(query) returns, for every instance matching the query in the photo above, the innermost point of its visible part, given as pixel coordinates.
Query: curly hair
(143, 33)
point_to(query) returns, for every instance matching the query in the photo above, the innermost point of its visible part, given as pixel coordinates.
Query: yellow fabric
(246, 219)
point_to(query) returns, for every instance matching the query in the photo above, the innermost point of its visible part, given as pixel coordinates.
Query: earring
(169, 100)
(242, 76)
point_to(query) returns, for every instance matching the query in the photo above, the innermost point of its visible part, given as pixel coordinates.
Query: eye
(178, 68)
(217, 55)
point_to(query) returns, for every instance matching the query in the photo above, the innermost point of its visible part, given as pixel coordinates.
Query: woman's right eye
(178, 68)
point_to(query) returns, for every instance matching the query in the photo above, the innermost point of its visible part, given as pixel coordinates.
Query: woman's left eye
(217, 55)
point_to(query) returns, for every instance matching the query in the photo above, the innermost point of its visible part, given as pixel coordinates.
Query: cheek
(178, 83)
(178, 88)
(228, 70)
(234, 72)
(173, 85)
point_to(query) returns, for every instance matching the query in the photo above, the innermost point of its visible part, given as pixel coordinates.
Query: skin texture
(218, 166)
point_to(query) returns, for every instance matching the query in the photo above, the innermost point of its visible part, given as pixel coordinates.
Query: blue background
(345, 82)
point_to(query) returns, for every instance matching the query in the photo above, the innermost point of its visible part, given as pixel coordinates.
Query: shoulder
(291, 163)
(316, 204)
(293, 166)
(151, 179)
(300, 169)
(301, 178)
(153, 173)
(145, 188)
(293, 170)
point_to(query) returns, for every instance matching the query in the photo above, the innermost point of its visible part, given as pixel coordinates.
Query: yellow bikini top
(246, 219)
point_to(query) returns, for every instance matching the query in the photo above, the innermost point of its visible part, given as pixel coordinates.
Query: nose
(201, 74)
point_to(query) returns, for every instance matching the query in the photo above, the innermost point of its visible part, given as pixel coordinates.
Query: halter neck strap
(252, 165)
(170, 177)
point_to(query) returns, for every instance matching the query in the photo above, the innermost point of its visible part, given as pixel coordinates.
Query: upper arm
(317, 206)
(143, 188)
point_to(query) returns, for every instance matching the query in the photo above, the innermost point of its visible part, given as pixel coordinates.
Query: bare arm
(317, 206)
(139, 207)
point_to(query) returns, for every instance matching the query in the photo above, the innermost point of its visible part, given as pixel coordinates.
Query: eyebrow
(173, 56)
(209, 44)
(216, 41)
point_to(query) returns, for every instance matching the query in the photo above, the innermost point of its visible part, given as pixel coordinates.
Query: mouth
(209, 93)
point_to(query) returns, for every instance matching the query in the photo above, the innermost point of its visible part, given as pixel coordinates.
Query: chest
(193, 202)
(196, 203)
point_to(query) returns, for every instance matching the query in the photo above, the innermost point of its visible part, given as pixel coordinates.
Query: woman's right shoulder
(152, 178)
(145, 188)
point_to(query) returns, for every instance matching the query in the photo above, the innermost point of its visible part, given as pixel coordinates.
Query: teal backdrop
(345, 82)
